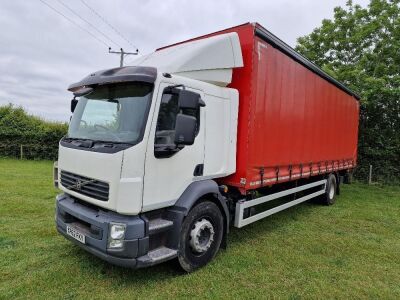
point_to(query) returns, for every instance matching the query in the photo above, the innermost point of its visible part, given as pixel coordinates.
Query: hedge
(37, 137)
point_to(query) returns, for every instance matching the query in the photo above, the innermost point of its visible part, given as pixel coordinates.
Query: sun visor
(117, 75)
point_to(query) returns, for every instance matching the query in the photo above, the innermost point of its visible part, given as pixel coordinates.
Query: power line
(87, 22)
(73, 22)
(131, 60)
(106, 22)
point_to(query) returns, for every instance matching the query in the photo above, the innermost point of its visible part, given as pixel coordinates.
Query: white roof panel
(211, 59)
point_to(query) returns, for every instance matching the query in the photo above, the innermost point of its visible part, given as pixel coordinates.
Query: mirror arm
(177, 86)
(174, 88)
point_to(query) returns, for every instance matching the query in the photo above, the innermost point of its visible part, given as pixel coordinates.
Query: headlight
(116, 235)
(117, 231)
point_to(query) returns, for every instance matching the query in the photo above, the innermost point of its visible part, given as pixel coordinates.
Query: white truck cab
(143, 147)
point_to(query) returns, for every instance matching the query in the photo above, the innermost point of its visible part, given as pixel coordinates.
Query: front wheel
(201, 236)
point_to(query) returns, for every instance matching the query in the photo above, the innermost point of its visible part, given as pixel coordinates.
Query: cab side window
(169, 109)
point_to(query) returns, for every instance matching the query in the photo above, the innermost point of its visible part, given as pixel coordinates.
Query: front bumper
(94, 224)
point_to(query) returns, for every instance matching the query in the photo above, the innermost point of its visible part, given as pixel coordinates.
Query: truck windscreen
(112, 113)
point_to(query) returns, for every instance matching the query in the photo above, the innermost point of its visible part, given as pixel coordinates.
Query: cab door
(168, 174)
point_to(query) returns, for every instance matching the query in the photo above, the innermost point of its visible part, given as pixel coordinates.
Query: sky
(42, 53)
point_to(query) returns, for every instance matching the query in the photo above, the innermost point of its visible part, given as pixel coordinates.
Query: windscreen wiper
(80, 142)
(89, 143)
(110, 142)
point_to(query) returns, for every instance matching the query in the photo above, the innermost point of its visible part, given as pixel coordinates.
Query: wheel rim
(201, 236)
(331, 191)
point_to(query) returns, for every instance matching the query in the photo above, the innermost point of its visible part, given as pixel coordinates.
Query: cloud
(42, 53)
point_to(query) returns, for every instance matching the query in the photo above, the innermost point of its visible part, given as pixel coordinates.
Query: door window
(169, 109)
(165, 131)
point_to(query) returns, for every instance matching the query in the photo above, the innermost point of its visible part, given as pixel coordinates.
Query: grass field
(351, 249)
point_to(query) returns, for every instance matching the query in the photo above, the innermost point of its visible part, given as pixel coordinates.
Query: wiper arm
(80, 142)
(88, 143)
(110, 142)
(70, 139)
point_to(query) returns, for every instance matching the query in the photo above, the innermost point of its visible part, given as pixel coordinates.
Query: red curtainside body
(295, 121)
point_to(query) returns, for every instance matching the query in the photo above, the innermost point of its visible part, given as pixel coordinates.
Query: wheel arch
(204, 190)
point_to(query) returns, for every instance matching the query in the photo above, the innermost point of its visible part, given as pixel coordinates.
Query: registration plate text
(75, 234)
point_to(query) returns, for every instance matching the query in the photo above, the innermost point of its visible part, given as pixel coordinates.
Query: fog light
(117, 231)
(115, 244)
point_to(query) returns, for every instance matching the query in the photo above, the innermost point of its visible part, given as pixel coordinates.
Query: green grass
(349, 250)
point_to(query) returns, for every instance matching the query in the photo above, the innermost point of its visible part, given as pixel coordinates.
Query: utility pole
(122, 53)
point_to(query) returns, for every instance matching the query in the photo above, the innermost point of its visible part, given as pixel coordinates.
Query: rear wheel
(331, 188)
(201, 236)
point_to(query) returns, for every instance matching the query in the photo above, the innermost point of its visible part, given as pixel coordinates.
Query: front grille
(84, 185)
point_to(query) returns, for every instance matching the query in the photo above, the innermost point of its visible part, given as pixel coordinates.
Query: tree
(361, 48)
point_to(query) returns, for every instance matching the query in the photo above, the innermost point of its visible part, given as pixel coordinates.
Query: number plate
(76, 234)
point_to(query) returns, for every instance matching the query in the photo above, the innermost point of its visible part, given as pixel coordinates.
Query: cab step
(159, 225)
(157, 256)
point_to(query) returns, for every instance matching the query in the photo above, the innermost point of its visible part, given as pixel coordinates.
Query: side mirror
(189, 100)
(74, 102)
(185, 129)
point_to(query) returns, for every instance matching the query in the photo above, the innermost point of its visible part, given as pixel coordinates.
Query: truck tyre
(200, 236)
(331, 188)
